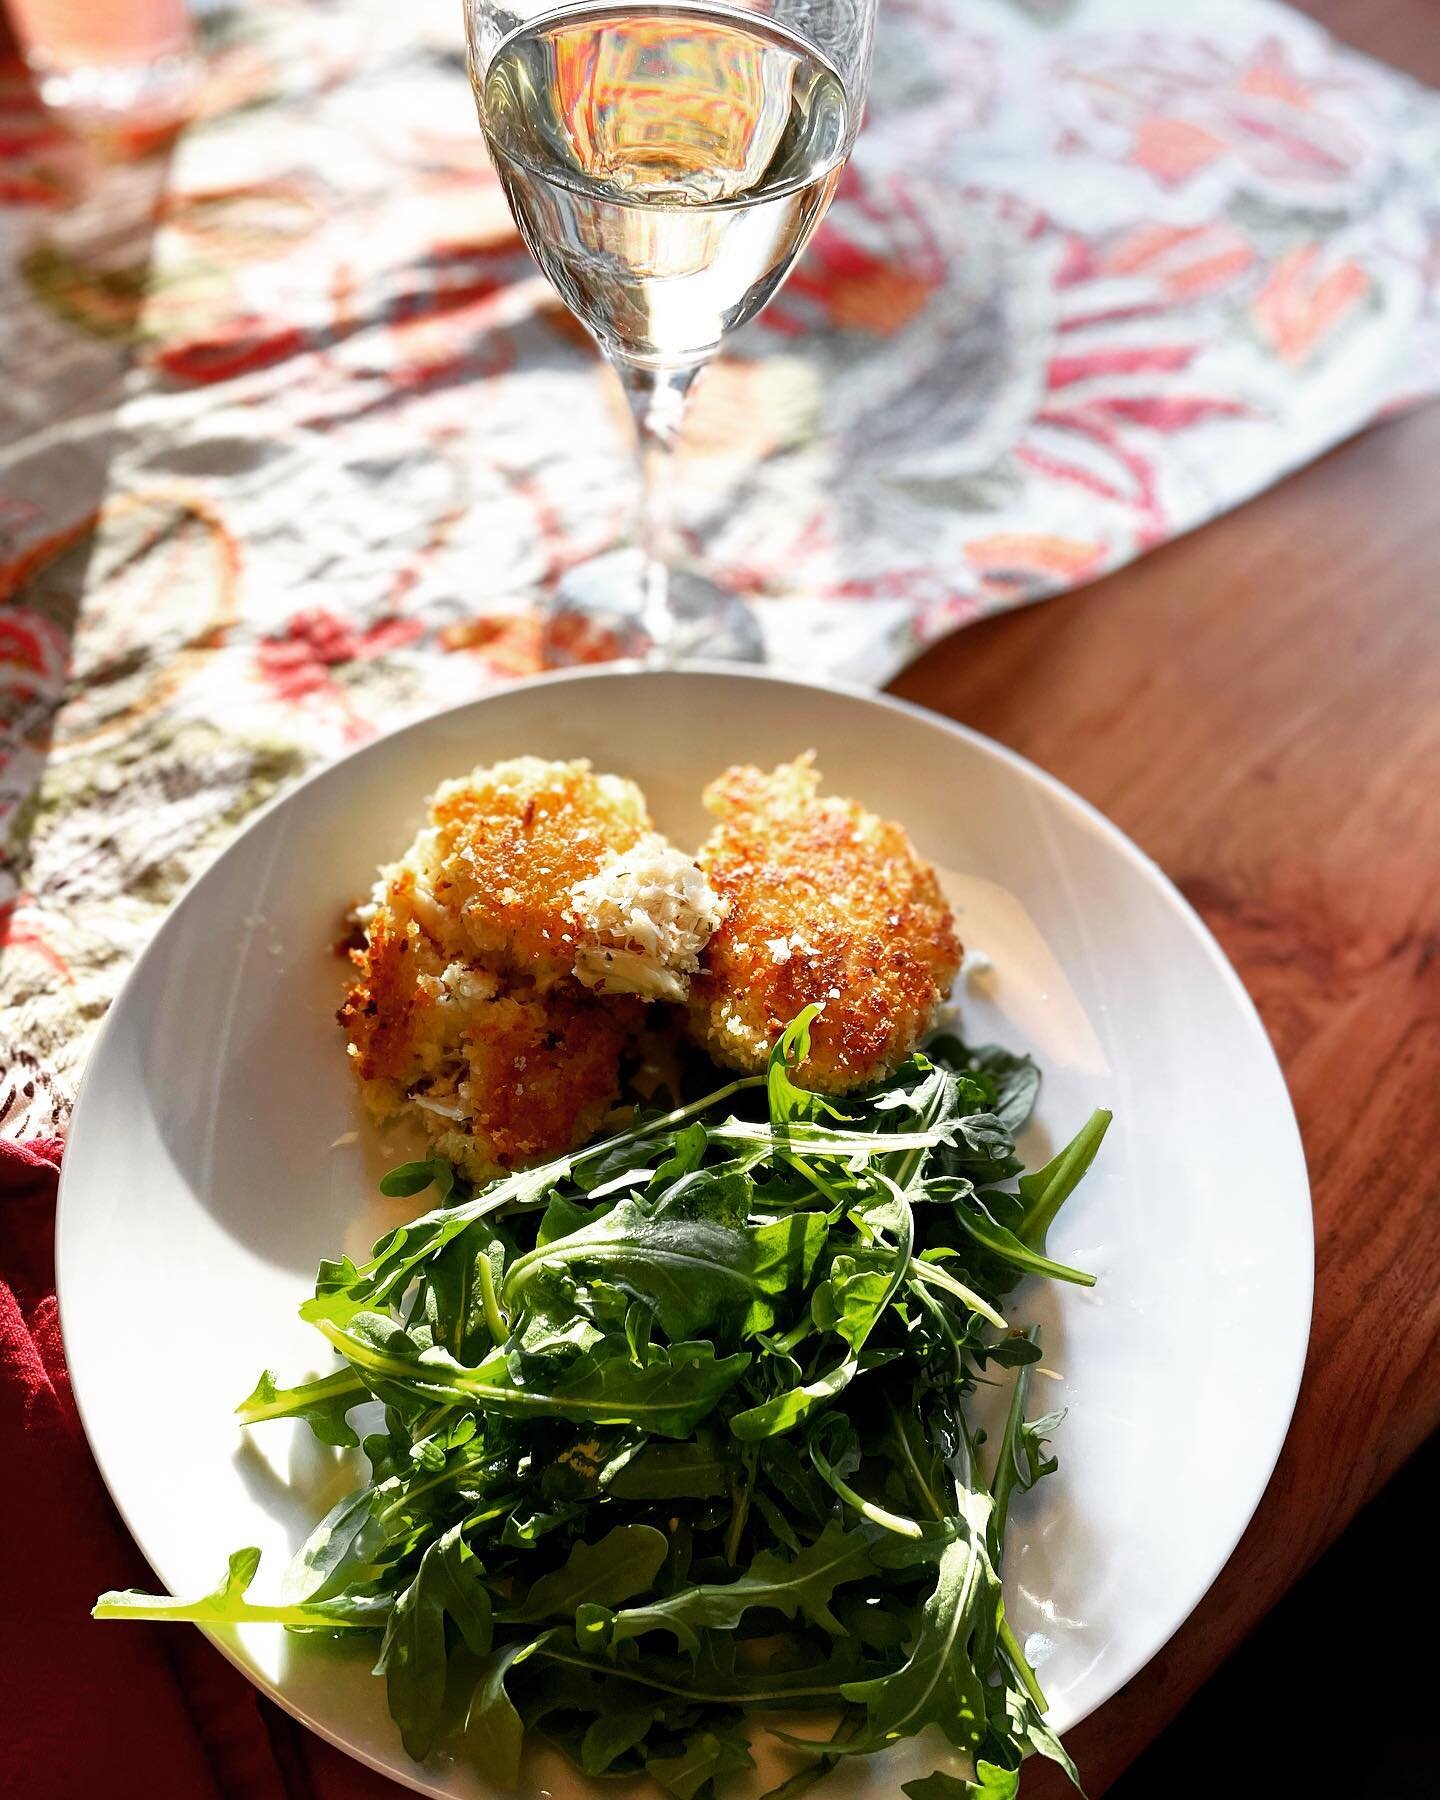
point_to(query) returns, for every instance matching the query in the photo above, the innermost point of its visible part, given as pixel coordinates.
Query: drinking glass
(110, 62)
(666, 164)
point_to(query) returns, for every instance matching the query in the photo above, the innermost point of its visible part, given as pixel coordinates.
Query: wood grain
(1401, 32)
(1259, 707)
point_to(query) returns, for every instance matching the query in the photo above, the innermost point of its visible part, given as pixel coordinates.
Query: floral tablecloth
(293, 437)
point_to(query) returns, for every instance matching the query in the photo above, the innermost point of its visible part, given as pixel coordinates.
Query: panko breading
(508, 953)
(463, 1013)
(824, 902)
(507, 844)
(543, 1074)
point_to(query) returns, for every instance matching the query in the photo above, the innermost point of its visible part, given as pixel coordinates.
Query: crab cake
(463, 1013)
(824, 902)
(544, 1072)
(505, 847)
(496, 1074)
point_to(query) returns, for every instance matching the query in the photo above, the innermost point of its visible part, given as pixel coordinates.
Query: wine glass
(666, 165)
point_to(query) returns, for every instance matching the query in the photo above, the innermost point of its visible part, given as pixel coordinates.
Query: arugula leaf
(1013, 1351)
(1011, 1082)
(858, 1296)
(457, 1300)
(991, 1783)
(413, 1178)
(637, 1370)
(978, 1224)
(853, 1147)
(712, 1677)
(611, 1734)
(227, 1605)
(323, 1404)
(692, 1260)
(527, 1526)
(624, 1562)
(785, 1099)
(1029, 1731)
(447, 1584)
(709, 1756)
(1020, 1460)
(940, 1683)
(804, 1779)
(784, 1254)
(981, 1148)
(857, 1293)
(669, 1394)
(784, 1411)
(800, 1585)
(695, 1470)
(339, 1550)
(492, 1735)
(562, 1216)
(1047, 1190)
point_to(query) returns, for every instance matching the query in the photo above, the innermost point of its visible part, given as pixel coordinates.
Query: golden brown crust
(462, 1011)
(513, 840)
(393, 1010)
(825, 903)
(545, 1072)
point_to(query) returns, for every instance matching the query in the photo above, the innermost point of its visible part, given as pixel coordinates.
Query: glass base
(601, 611)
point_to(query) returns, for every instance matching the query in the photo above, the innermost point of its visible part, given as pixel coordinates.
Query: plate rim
(414, 1776)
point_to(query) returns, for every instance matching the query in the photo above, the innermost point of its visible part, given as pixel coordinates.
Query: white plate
(213, 1161)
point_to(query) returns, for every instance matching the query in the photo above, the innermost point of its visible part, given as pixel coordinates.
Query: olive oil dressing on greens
(675, 1437)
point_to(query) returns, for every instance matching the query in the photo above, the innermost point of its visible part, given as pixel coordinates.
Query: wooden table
(1258, 705)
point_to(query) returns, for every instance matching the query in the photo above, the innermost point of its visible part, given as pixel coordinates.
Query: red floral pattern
(295, 440)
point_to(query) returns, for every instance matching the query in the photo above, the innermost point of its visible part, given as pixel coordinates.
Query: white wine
(665, 164)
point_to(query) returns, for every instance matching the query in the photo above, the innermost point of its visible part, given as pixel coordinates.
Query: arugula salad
(675, 1437)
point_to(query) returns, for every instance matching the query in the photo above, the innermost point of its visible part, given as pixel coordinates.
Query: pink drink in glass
(110, 62)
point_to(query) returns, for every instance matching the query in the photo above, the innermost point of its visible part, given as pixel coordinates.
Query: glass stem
(657, 403)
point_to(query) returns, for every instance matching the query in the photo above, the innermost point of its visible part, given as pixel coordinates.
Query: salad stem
(645, 1679)
(937, 1277)
(288, 1401)
(495, 1319)
(1021, 1666)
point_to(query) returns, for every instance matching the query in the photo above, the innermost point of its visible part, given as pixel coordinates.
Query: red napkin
(125, 1711)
